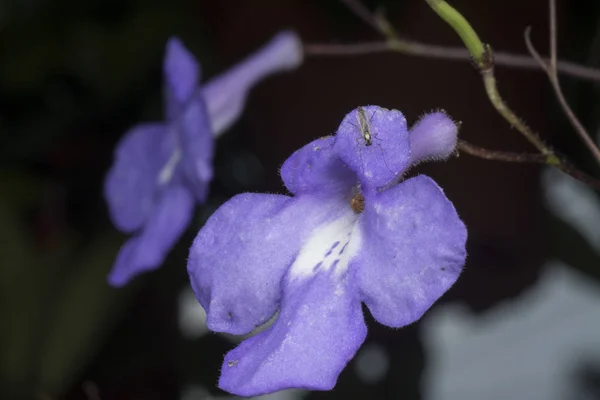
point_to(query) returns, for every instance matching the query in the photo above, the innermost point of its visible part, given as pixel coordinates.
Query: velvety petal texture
(317, 167)
(239, 257)
(319, 329)
(162, 170)
(226, 94)
(433, 137)
(355, 231)
(413, 250)
(388, 153)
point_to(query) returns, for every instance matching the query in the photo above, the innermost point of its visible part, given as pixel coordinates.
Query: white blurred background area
(543, 344)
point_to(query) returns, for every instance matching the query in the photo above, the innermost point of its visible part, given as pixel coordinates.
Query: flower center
(357, 202)
(329, 248)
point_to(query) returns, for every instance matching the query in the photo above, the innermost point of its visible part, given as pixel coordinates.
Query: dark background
(75, 75)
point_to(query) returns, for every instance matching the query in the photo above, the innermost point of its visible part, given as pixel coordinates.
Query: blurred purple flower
(161, 170)
(354, 231)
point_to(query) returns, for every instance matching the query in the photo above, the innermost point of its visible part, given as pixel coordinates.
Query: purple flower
(161, 170)
(355, 231)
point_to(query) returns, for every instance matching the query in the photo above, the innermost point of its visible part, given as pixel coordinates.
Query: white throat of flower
(167, 171)
(330, 247)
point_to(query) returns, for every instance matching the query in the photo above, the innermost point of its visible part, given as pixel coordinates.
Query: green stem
(484, 61)
(462, 28)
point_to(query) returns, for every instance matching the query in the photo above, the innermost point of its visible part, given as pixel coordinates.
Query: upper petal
(373, 142)
(413, 250)
(148, 249)
(319, 329)
(131, 183)
(226, 94)
(433, 137)
(239, 257)
(182, 75)
(317, 167)
(197, 146)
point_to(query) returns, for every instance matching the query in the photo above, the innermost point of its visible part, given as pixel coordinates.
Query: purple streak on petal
(413, 250)
(131, 183)
(197, 145)
(319, 329)
(239, 257)
(317, 167)
(433, 137)
(182, 75)
(226, 94)
(147, 250)
(387, 156)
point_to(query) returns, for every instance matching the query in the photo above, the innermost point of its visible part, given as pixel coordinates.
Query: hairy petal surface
(388, 154)
(433, 137)
(319, 329)
(239, 257)
(413, 250)
(148, 249)
(225, 95)
(316, 167)
(131, 183)
(182, 76)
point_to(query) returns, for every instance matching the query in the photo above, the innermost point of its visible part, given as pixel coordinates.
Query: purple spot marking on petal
(316, 267)
(331, 249)
(343, 248)
(335, 263)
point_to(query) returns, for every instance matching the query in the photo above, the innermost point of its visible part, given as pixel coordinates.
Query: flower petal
(147, 250)
(226, 94)
(182, 75)
(131, 183)
(385, 154)
(239, 257)
(319, 329)
(413, 250)
(317, 167)
(197, 145)
(433, 137)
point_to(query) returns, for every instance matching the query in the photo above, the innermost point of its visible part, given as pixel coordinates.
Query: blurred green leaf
(24, 275)
(18, 300)
(84, 310)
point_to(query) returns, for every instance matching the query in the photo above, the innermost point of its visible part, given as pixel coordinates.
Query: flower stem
(482, 57)
(488, 154)
(462, 27)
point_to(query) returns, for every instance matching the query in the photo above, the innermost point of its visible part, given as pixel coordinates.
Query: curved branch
(415, 48)
(550, 69)
(487, 154)
(564, 165)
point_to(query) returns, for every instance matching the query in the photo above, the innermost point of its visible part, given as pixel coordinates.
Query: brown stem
(363, 13)
(551, 72)
(564, 166)
(411, 47)
(500, 155)
(553, 52)
(571, 170)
